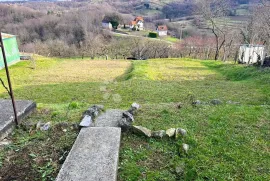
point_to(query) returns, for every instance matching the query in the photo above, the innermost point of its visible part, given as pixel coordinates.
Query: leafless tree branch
(3, 84)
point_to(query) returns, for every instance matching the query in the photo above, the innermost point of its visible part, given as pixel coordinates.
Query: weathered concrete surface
(94, 156)
(110, 118)
(24, 108)
(6, 125)
(86, 121)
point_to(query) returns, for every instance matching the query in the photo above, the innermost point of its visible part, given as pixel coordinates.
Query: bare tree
(139, 47)
(213, 12)
(266, 3)
(5, 87)
(91, 46)
(249, 32)
(257, 29)
(262, 24)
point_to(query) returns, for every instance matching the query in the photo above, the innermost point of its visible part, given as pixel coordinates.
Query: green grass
(172, 39)
(226, 141)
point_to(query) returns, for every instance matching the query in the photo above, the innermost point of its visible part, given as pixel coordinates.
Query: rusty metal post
(8, 78)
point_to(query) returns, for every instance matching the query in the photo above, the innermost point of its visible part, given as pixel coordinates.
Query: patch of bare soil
(36, 155)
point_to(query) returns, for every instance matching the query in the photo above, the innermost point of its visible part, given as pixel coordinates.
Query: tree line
(226, 37)
(78, 32)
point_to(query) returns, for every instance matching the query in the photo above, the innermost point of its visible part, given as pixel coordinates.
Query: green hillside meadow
(229, 141)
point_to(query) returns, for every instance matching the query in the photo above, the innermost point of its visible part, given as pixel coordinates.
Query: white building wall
(249, 54)
(162, 33)
(140, 24)
(107, 25)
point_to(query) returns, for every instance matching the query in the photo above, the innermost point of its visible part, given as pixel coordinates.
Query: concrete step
(94, 156)
(110, 118)
(24, 108)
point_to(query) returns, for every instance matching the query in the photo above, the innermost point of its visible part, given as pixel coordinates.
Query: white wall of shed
(162, 33)
(251, 54)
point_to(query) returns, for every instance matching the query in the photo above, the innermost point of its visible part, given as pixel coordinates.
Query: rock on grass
(135, 106)
(185, 147)
(180, 132)
(139, 130)
(159, 134)
(170, 132)
(216, 102)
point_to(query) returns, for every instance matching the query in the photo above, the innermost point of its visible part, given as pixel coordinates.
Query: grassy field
(172, 39)
(228, 141)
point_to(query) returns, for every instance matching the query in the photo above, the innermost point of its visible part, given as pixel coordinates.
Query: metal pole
(8, 78)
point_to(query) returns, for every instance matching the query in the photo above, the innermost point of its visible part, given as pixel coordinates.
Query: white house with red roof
(162, 30)
(137, 23)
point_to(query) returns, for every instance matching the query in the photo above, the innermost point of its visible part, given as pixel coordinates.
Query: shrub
(153, 35)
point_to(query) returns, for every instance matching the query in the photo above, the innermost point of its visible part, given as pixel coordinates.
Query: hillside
(228, 140)
(196, 72)
(75, 28)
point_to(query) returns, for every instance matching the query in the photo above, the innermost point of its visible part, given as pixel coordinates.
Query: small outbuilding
(162, 30)
(11, 50)
(107, 25)
(251, 54)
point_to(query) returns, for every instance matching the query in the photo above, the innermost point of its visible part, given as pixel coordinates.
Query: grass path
(229, 141)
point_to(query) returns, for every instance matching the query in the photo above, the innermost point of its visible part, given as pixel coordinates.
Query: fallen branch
(3, 84)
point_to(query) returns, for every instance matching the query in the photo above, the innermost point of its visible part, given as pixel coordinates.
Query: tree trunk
(217, 47)
(208, 53)
(235, 57)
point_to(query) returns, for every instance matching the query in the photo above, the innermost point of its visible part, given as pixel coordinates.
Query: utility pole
(181, 34)
(10, 92)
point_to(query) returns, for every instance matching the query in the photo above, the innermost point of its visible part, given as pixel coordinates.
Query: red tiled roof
(133, 23)
(162, 28)
(138, 18)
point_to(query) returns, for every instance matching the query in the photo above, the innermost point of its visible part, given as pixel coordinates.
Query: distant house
(162, 30)
(107, 25)
(11, 50)
(137, 23)
(250, 54)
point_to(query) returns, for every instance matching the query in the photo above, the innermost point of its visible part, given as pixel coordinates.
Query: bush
(153, 35)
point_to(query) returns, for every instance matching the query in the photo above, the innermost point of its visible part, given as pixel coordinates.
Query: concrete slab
(109, 119)
(24, 108)
(6, 125)
(93, 157)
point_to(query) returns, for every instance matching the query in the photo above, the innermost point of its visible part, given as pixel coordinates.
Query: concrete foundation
(24, 108)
